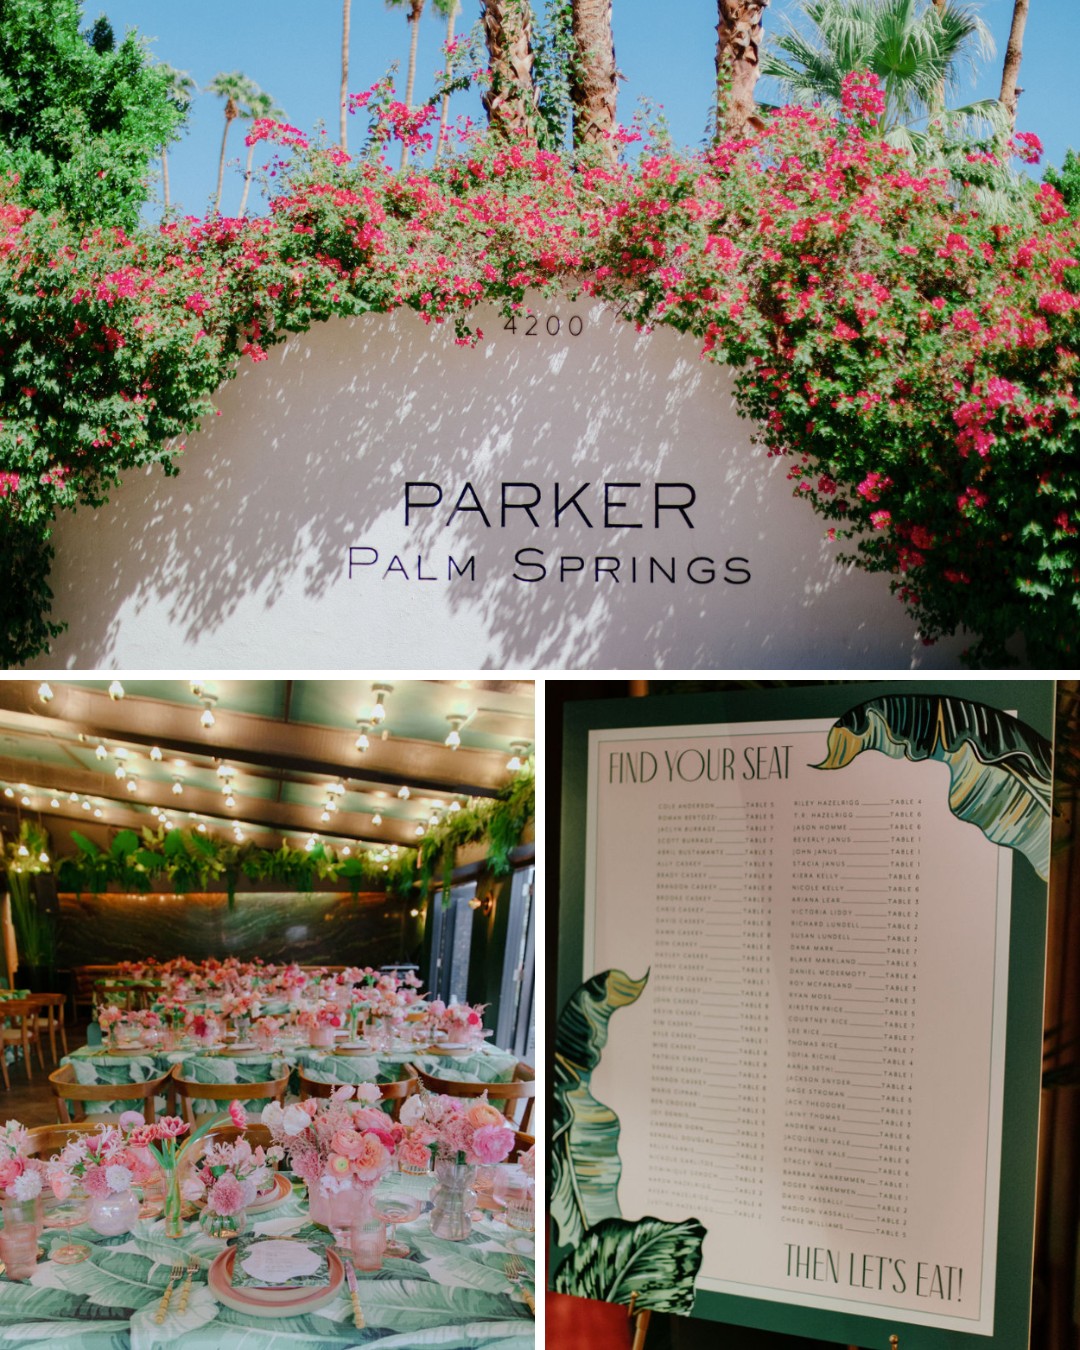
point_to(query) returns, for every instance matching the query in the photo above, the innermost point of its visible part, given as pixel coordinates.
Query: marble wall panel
(322, 927)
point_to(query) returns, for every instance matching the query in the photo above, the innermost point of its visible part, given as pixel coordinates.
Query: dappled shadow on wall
(285, 539)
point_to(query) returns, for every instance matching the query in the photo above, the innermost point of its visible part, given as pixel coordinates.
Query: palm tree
(257, 103)
(450, 8)
(594, 77)
(1013, 52)
(738, 63)
(235, 89)
(181, 89)
(915, 48)
(510, 100)
(346, 14)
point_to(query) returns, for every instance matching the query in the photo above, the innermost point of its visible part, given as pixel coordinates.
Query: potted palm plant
(26, 858)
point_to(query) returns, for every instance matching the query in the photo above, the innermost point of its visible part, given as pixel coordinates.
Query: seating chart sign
(804, 924)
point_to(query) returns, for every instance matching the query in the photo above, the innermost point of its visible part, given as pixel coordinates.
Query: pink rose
(347, 1142)
(414, 1153)
(372, 1160)
(368, 1118)
(491, 1144)
(10, 1168)
(483, 1113)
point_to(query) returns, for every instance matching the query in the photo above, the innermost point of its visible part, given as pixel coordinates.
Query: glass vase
(453, 1198)
(23, 1224)
(223, 1226)
(111, 1215)
(344, 1210)
(174, 1203)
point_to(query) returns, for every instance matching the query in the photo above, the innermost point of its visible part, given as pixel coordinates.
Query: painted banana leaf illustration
(657, 1260)
(999, 768)
(585, 1166)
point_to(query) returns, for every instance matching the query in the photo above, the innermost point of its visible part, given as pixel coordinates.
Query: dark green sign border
(1033, 703)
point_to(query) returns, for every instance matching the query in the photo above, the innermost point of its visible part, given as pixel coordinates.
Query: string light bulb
(116, 691)
(9, 792)
(518, 753)
(177, 787)
(24, 852)
(101, 752)
(376, 819)
(453, 740)
(155, 753)
(45, 693)
(54, 802)
(230, 800)
(403, 792)
(207, 718)
(132, 785)
(362, 742)
(43, 857)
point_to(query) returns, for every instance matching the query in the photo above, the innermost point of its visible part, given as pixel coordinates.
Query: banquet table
(96, 1064)
(453, 1294)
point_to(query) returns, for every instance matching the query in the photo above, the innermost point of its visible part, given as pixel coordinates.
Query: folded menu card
(279, 1263)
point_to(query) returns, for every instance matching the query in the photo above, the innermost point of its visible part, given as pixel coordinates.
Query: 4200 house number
(534, 325)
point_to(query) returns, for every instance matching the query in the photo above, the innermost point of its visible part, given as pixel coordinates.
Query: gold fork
(185, 1291)
(516, 1274)
(175, 1275)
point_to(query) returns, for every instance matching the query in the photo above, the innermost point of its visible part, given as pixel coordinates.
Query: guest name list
(804, 1072)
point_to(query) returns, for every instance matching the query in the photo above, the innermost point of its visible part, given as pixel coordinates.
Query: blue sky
(293, 52)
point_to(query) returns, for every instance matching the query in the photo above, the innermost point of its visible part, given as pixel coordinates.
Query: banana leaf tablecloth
(453, 1295)
(485, 1064)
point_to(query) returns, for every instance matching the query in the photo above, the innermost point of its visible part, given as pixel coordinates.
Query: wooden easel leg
(641, 1326)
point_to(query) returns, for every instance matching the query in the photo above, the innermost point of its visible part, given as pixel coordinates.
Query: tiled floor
(31, 1101)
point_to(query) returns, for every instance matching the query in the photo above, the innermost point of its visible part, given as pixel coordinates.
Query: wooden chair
(406, 1084)
(510, 1098)
(188, 1091)
(65, 1089)
(45, 1140)
(50, 1019)
(522, 1144)
(19, 1028)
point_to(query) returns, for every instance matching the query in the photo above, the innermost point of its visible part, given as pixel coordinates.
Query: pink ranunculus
(483, 1113)
(414, 1153)
(347, 1142)
(372, 1160)
(492, 1144)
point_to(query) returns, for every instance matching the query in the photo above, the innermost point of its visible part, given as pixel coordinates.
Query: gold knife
(357, 1315)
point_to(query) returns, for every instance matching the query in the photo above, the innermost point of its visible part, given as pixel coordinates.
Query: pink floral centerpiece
(230, 1177)
(460, 1134)
(107, 1165)
(206, 1030)
(340, 1146)
(320, 1024)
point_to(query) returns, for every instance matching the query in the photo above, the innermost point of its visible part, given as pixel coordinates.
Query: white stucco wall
(243, 560)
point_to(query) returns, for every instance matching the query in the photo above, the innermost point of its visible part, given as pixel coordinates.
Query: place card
(279, 1263)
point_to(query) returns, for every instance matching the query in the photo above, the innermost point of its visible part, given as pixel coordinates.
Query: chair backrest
(65, 1089)
(514, 1100)
(406, 1083)
(522, 1144)
(188, 1091)
(45, 1140)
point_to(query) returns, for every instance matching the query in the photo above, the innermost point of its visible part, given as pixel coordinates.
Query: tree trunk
(346, 10)
(416, 8)
(165, 177)
(247, 179)
(231, 112)
(510, 102)
(444, 114)
(594, 78)
(738, 48)
(1010, 94)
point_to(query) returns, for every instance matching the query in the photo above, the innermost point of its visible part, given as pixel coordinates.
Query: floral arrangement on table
(241, 1003)
(105, 1164)
(459, 1021)
(338, 1142)
(21, 1178)
(230, 1176)
(320, 1023)
(460, 1130)
(267, 1029)
(203, 1028)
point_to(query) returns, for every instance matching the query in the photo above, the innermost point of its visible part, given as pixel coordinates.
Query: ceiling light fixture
(230, 800)
(362, 741)
(116, 691)
(45, 693)
(376, 819)
(155, 753)
(453, 740)
(85, 805)
(420, 831)
(403, 792)
(100, 752)
(519, 751)
(378, 713)
(24, 799)
(177, 787)
(132, 784)
(9, 792)
(54, 802)
(98, 812)
(207, 718)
